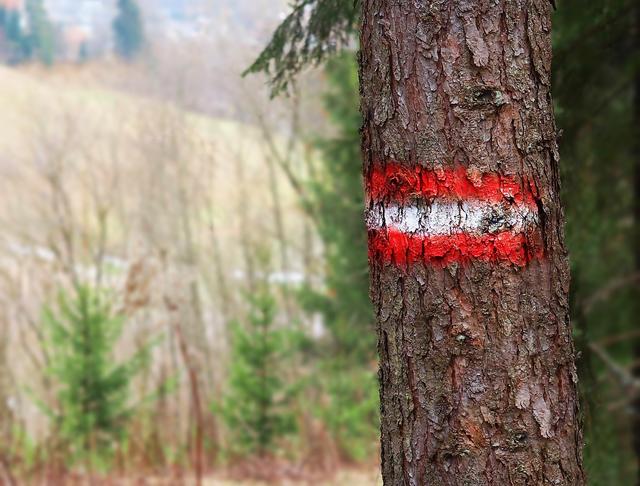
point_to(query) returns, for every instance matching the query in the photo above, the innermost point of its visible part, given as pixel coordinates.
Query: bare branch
(608, 290)
(623, 376)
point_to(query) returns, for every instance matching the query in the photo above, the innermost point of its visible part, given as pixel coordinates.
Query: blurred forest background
(183, 273)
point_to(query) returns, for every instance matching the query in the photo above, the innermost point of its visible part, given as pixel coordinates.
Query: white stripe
(445, 218)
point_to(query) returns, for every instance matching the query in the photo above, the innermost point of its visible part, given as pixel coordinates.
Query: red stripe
(399, 183)
(401, 248)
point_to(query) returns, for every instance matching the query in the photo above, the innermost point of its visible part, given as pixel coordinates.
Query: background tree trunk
(478, 382)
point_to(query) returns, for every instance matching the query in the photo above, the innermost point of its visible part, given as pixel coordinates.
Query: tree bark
(469, 270)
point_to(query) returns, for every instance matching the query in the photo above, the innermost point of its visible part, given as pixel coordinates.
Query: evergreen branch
(312, 31)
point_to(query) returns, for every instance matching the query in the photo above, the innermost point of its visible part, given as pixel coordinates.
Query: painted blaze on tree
(469, 272)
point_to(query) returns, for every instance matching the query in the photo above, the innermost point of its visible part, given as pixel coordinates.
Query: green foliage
(24, 447)
(351, 410)
(16, 39)
(128, 29)
(308, 35)
(595, 67)
(40, 42)
(337, 200)
(351, 404)
(10, 24)
(37, 42)
(256, 408)
(93, 390)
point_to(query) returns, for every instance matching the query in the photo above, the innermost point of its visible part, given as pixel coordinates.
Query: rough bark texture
(478, 383)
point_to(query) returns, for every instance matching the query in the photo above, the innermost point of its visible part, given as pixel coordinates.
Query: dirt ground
(345, 478)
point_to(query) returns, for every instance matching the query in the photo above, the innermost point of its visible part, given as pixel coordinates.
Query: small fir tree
(256, 407)
(93, 389)
(128, 29)
(40, 42)
(14, 36)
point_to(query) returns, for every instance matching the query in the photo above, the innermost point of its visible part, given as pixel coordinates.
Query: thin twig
(623, 376)
(609, 289)
(625, 336)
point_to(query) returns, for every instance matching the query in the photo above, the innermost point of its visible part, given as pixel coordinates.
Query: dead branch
(608, 290)
(626, 379)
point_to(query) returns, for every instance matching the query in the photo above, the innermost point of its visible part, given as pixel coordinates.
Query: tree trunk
(469, 270)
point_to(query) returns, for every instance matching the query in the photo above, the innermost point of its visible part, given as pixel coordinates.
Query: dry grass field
(150, 200)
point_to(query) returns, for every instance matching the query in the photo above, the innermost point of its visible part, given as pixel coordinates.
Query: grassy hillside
(97, 183)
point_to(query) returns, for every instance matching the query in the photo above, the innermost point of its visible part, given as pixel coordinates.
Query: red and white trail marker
(451, 215)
